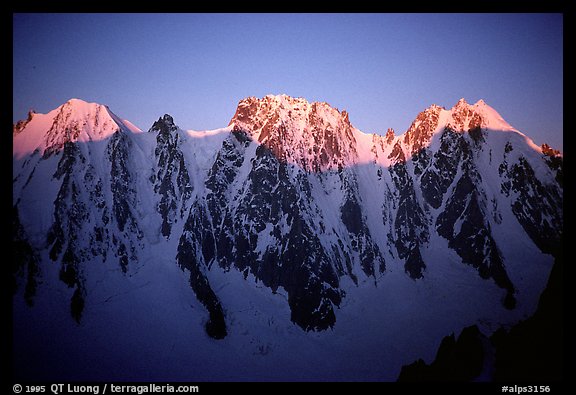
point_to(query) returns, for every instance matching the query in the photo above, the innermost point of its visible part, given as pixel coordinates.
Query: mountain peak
(257, 115)
(461, 103)
(491, 119)
(79, 102)
(422, 128)
(314, 135)
(79, 106)
(75, 120)
(549, 151)
(164, 124)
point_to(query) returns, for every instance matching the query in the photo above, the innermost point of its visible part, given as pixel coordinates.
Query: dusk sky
(382, 68)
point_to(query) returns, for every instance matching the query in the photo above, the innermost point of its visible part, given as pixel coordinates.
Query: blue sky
(382, 68)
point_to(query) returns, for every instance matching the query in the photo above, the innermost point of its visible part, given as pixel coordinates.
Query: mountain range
(287, 245)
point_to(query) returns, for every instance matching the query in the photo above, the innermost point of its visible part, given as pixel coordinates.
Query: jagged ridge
(294, 196)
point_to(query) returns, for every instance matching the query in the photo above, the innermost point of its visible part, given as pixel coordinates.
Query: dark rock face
(462, 221)
(25, 260)
(361, 242)
(556, 163)
(188, 259)
(87, 225)
(436, 179)
(457, 360)
(536, 206)
(353, 218)
(267, 205)
(171, 178)
(124, 199)
(411, 228)
(473, 242)
(122, 183)
(70, 212)
(164, 126)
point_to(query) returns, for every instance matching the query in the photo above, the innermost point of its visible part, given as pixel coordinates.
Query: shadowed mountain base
(532, 351)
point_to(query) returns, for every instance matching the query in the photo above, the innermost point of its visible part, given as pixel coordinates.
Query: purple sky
(382, 68)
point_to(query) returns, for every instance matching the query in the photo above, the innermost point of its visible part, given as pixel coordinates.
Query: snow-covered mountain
(374, 246)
